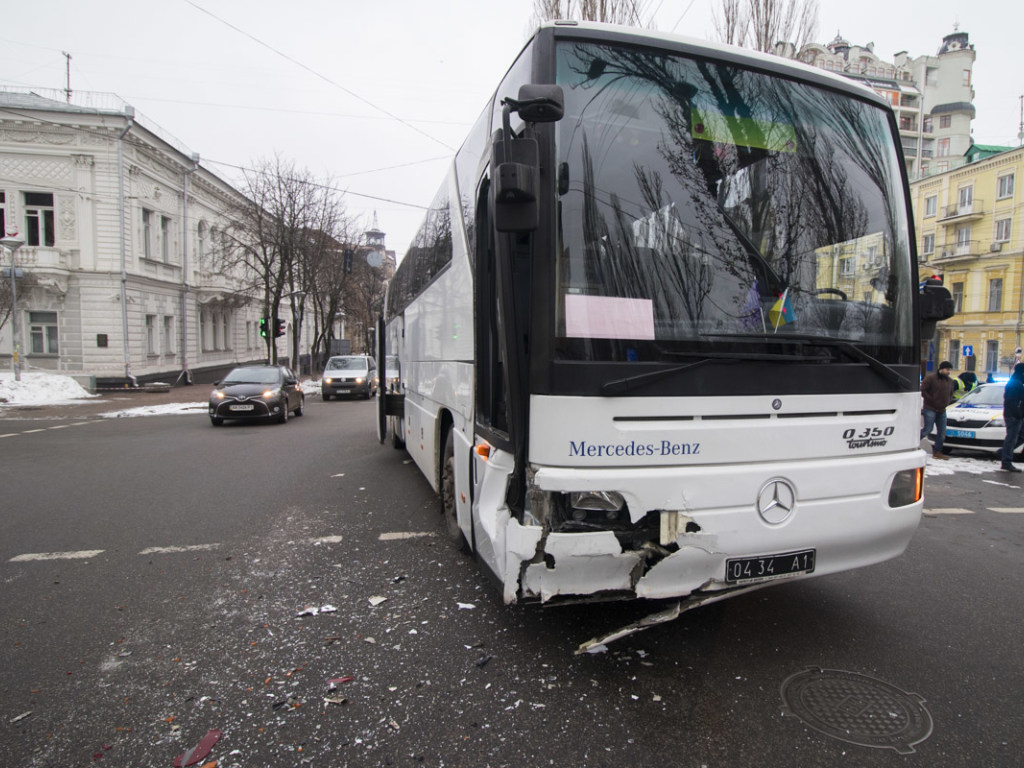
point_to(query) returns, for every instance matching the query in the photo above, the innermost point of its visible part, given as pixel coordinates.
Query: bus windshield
(703, 204)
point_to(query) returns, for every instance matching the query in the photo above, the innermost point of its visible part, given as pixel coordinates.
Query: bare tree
(631, 13)
(280, 237)
(765, 24)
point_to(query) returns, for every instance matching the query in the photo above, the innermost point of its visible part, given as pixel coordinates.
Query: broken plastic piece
(340, 680)
(22, 716)
(377, 600)
(199, 751)
(465, 606)
(335, 700)
(599, 644)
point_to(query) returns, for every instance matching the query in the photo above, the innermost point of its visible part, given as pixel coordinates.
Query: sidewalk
(107, 401)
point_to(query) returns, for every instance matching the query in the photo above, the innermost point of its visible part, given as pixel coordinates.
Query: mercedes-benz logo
(776, 404)
(776, 501)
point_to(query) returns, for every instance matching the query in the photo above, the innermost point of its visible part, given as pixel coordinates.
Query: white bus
(659, 334)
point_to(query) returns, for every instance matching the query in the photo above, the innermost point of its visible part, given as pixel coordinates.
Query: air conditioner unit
(996, 247)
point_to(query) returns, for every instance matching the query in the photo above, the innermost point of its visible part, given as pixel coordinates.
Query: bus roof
(706, 48)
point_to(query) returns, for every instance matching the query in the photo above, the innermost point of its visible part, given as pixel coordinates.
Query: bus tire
(447, 492)
(396, 442)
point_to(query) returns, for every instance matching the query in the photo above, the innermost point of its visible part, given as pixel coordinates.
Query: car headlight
(997, 422)
(270, 394)
(219, 394)
(906, 487)
(359, 380)
(328, 380)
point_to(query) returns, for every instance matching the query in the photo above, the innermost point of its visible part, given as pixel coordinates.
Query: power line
(326, 79)
(139, 143)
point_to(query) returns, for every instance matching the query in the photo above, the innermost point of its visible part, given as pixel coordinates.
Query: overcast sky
(377, 95)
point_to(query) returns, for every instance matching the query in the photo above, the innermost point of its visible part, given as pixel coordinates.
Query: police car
(975, 421)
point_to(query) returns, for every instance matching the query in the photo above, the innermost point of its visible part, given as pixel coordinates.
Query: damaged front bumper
(678, 527)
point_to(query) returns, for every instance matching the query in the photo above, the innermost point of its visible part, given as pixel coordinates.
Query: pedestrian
(1013, 415)
(937, 393)
(964, 383)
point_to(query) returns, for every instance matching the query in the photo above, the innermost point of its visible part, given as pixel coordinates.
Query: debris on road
(465, 606)
(377, 600)
(22, 716)
(312, 610)
(199, 751)
(340, 680)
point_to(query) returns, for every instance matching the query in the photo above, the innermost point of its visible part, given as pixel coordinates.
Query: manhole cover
(857, 709)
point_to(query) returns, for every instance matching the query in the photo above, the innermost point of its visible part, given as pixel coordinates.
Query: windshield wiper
(626, 385)
(888, 373)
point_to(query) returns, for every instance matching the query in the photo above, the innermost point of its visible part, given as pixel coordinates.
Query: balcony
(965, 250)
(965, 212)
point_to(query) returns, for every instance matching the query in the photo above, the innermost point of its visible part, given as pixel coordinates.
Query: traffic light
(263, 327)
(279, 326)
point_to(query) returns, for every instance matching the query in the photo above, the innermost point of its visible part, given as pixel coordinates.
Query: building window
(202, 332)
(1005, 186)
(945, 121)
(147, 233)
(224, 331)
(966, 77)
(165, 239)
(3, 214)
(1003, 230)
(991, 356)
(150, 334)
(846, 267)
(958, 297)
(928, 244)
(39, 218)
(963, 240)
(168, 345)
(966, 200)
(942, 148)
(926, 125)
(200, 242)
(954, 353)
(43, 331)
(995, 294)
(931, 205)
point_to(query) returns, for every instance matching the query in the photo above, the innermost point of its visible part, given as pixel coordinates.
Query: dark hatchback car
(256, 392)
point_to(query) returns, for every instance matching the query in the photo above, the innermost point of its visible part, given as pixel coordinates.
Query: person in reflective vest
(964, 383)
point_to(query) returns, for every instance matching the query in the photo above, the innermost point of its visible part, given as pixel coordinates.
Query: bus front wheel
(448, 508)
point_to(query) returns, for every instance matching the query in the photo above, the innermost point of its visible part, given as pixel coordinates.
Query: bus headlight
(584, 503)
(906, 487)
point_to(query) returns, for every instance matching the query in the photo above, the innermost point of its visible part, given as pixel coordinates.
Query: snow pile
(157, 410)
(48, 388)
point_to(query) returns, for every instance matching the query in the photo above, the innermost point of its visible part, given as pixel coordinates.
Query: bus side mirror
(516, 161)
(936, 304)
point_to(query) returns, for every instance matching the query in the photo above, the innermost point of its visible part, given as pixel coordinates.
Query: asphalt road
(202, 548)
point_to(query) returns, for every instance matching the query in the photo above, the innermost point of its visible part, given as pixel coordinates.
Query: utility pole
(68, 89)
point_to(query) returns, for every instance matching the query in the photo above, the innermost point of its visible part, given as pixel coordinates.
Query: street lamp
(12, 242)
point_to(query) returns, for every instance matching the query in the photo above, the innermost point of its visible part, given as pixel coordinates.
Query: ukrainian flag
(781, 312)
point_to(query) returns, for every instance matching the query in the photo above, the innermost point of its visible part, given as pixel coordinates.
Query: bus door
(492, 458)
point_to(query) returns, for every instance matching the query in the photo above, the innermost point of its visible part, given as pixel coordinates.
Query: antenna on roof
(67, 90)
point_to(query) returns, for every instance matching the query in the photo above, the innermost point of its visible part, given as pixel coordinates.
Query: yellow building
(970, 230)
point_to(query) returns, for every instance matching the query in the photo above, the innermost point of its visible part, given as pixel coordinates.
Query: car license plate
(244, 407)
(960, 433)
(767, 567)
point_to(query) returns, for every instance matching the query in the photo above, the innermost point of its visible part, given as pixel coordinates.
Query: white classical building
(119, 225)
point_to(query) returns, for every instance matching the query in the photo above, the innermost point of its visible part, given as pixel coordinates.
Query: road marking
(1007, 510)
(30, 431)
(949, 511)
(400, 535)
(84, 554)
(60, 426)
(10, 434)
(174, 550)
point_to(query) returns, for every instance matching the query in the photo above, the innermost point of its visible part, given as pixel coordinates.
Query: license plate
(245, 407)
(766, 567)
(960, 433)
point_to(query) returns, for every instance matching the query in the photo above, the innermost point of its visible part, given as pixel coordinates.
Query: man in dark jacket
(1013, 415)
(937, 393)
